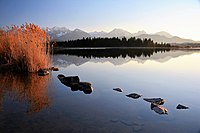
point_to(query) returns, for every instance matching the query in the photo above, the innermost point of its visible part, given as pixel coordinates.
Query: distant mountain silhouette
(161, 38)
(98, 34)
(119, 33)
(139, 33)
(163, 33)
(64, 34)
(57, 32)
(116, 33)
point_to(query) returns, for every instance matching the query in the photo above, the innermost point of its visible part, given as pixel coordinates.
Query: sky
(178, 17)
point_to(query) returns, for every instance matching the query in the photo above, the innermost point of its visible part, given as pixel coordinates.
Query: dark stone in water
(83, 86)
(134, 95)
(179, 106)
(158, 109)
(69, 81)
(118, 89)
(75, 84)
(60, 76)
(158, 101)
(43, 72)
(55, 69)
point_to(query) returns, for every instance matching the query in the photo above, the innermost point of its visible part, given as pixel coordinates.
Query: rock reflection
(159, 109)
(30, 88)
(156, 105)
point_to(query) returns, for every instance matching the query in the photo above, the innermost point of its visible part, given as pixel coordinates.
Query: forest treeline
(111, 42)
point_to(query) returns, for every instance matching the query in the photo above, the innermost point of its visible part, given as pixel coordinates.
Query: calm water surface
(43, 104)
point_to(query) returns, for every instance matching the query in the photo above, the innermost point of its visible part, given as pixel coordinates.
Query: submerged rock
(69, 81)
(137, 128)
(179, 106)
(134, 95)
(158, 101)
(158, 109)
(118, 89)
(43, 72)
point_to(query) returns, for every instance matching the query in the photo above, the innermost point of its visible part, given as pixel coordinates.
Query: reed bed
(27, 47)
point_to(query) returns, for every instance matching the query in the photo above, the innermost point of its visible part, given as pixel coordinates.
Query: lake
(31, 103)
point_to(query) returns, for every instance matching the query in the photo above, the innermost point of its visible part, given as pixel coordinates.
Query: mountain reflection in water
(112, 52)
(31, 89)
(67, 57)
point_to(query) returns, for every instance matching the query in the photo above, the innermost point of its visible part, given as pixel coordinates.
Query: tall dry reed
(26, 47)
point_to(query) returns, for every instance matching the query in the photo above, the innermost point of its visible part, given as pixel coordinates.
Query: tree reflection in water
(112, 52)
(30, 88)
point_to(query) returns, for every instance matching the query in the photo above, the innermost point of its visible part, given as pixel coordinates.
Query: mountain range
(64, 34)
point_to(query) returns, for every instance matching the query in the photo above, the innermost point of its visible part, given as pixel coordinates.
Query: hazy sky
(178, 17)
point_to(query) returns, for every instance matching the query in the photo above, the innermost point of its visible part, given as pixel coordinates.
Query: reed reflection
(31, 89)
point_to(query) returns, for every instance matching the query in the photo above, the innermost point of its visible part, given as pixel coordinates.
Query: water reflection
(112, 52)
(158, 109)
(175, 80)
(77, 57)
(156, 105)
(31, 89)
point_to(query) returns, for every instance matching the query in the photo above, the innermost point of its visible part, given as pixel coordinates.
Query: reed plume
(26, 47)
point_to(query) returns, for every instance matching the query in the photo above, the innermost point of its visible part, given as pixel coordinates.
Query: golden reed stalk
(26, 47)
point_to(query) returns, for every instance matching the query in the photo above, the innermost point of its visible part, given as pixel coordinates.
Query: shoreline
(79, 48)
(104, 48)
